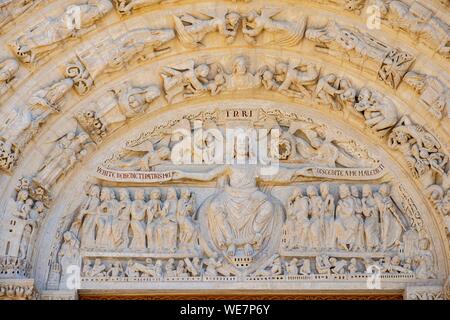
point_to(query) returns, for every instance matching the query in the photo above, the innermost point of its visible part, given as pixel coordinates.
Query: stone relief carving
(390, 64)
(24, 214)
(125, 7)
(422, 151)
(192, 30)
(111, 55)
(11, 9)
(286, 33)
(433, 93)
(348, 5)
(8, 70)
(138, 222)
(326, 232)
(23, 122)
(114, 108)
(420, 22)
(68, 150)
(379, 112)
(50, 33)
(302, 142)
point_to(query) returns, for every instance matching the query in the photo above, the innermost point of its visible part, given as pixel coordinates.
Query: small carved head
(385, 190)
(155, 194)
(324, 189)
(172, 193)
(366, 190)
(311, 191)
(344, 191)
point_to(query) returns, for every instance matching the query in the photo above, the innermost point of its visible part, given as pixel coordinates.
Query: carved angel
(191, 30)
(286, 33)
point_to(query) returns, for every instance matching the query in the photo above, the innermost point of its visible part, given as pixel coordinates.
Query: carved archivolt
(323, 231)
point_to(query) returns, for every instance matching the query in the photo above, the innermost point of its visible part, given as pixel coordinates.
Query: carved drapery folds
(131, 226)
(17, 290)
(24, 214)
(363, 50)
(114, 108)
(420, 22)
(50, 33)
(111, 55)
(238, 231)
(434, 94)
(23, 122)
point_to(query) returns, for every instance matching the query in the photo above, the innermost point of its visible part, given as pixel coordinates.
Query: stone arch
(421, 116)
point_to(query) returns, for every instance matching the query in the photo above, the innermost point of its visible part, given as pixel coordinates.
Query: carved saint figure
(138, 211)
(69, 150)
(328, 208)
(88, 217)
(424, 260)
(154, 207)
(8, 70)
(122, 222)
(186, 208)
(241, 78)
(68, 255)
(371, 219)
(392, 225)
(286, 33)
(133, 101)
(290, 228)
(316, 218)
(106, 216)
(346, 222)
(168, 227)
(22, 123)
(191, 30)
(240, 216)
(48, 34)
